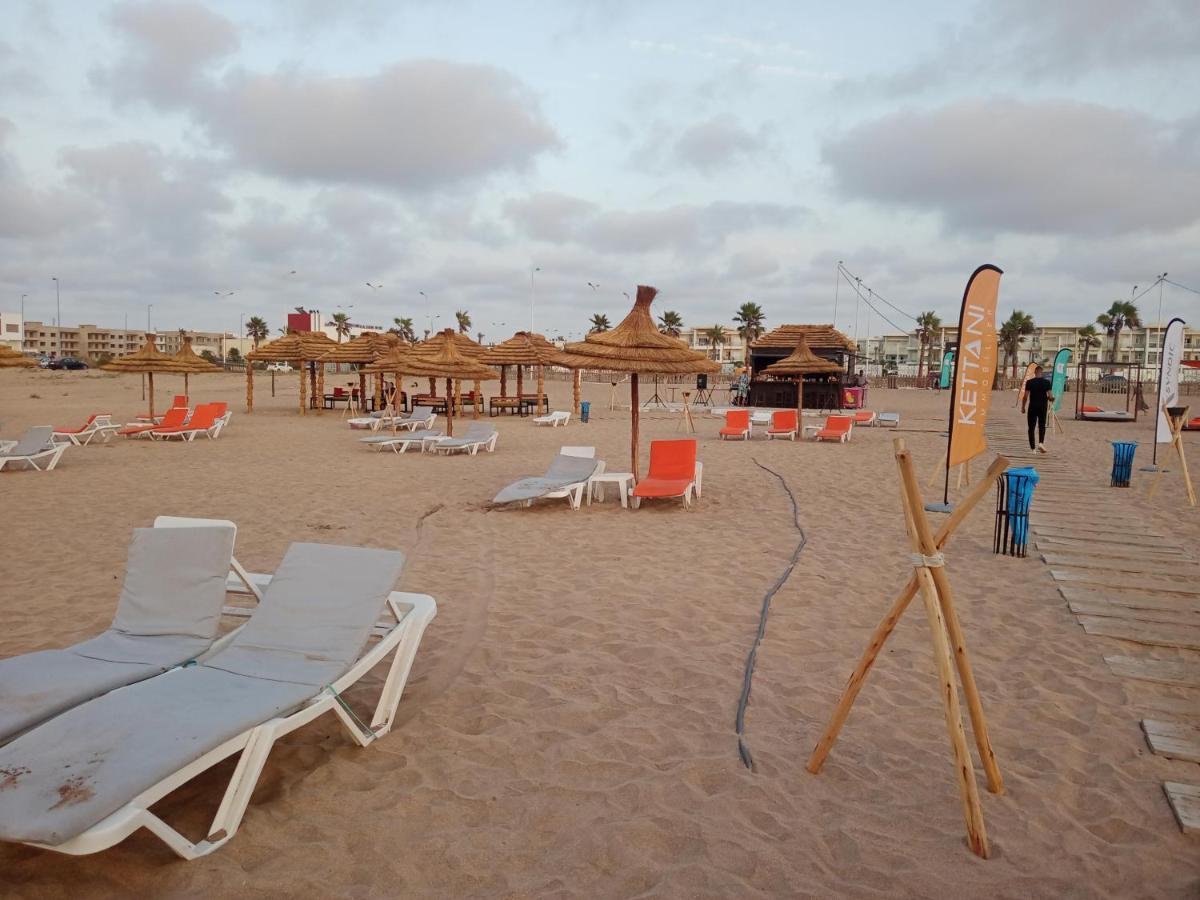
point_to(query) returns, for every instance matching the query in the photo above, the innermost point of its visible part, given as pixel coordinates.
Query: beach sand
(568, 730)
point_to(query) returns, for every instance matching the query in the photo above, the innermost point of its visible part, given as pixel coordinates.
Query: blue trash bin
(585, 407)
(1122, 462)
(1014, 491)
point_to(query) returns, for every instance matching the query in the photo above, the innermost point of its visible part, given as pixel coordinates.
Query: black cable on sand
(752, 656)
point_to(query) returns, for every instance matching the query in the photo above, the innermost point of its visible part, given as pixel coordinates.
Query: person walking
(1037, 399)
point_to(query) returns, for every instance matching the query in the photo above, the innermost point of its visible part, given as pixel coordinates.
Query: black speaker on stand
(703, 394)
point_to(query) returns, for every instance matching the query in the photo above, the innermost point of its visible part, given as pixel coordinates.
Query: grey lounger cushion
(402, 436)
(168, 613)
(477, 433)
(311, 626)
(565, 470)
(35, 440)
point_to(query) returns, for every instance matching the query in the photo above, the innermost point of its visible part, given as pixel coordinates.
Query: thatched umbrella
(362, 350)
(523, 349)
(190, 364)
(148, 360)
(294, 347)
(12, 359)
(636, 346)
(463, 344)
(449, 363)
(801, 362)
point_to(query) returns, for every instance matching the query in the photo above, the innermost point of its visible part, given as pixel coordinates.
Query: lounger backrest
(575, 468)
(478, 431)
(316, 615)
(174, 417)
(784, 420)
(175, 581)
(673, 460)
(738, 418)
(180, 400)
(839, 423)
(206, 416)
(35, 440)
(422, 413)
(582, 452)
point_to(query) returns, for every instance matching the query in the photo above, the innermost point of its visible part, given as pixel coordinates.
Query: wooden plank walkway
(1124, 581)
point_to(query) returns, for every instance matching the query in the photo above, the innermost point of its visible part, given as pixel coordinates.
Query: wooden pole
(249, 387)
(477, 390)
(504, 381)
(1177, 441)
(969, 793)
(319, 392)
(449, 410)
(575, 379)
(884, 629)
(520, 381)
(150, 381)
(186, 391)
(362, 390)
(633, 409)
(945, 597)
(378, 391)
(303, 409)
(456, 400)
(433, 387)
(542, 408)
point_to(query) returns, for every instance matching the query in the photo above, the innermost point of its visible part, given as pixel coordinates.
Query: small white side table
(623, 481)
(811, 430)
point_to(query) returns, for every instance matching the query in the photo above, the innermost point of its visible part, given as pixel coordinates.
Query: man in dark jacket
(1037, 400)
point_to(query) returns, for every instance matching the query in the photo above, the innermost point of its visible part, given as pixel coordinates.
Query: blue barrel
(1014, 492)
(585, 407)
(1122, 462)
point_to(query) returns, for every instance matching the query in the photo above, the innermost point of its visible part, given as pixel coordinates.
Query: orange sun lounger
(203, 421)
(175, 416)
(837, 428)
(98, 425)
(737, 424)
(672, 472)
(784, 423)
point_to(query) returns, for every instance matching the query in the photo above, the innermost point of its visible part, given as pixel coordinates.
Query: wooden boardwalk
(1129, 585)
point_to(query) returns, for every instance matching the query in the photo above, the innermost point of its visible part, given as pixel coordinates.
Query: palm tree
(749, 318)
(404, 328)
(670, 322)
(257, 329)
(599, 323)
(716, 337)
(1019, 325)
(341, 324)
(464, 321)
(1089, 337)
(929, 325)
(1121, 315)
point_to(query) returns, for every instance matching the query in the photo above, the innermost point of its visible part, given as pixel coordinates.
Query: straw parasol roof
(802, 362)
(367, 347)
(294, 346)
(818, 337)
(11, 359)
(524, 348)
(446, 362)
(191, 364)
(461, 342)
(147, 360)
(636, 346)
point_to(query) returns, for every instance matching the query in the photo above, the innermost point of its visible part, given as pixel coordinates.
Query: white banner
(1168, 377)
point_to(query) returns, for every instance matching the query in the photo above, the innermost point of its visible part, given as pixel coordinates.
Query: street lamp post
(532, 294)
(58, 317)
(149, 306)
(23, 296)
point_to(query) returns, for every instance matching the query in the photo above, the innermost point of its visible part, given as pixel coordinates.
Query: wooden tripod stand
(1176, 418)
(685, 419)
(930, 580)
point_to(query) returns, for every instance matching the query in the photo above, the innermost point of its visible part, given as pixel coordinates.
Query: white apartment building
(731, 350)
(12, 330)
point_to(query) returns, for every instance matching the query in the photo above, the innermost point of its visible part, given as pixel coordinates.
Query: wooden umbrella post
(362, 390)
(520, 385)
(504, 381)
(319, 391)
(186, 390)
(543, 407)
(456, 400)
(249, 387)
(477, 391)
(449, 410)
(433, 387)
(575, 385)
(303, 410)
(633, 443)
(378, 390)
(150, 380)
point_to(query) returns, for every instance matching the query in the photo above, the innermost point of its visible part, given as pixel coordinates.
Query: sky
(532, 162)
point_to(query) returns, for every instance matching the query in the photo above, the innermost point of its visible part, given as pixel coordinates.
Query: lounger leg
(397, 678)
(237, 795)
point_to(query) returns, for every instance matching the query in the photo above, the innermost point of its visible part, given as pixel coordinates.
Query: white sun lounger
(554, 419)
(479, 436)
(422, 417)
(99, 426)
(888, 420)
(567, 476)
(87, 779)
(37, 446)
(167, 615)
(401, 443)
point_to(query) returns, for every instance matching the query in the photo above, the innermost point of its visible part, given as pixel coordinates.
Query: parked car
(1113, 384)
(67, 362)
(279, 367)
(44, 362)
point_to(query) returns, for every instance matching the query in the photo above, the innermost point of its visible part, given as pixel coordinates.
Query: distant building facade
(94, 344)
(730, 350)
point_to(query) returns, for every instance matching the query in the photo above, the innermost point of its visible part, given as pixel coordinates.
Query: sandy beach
(568, 730)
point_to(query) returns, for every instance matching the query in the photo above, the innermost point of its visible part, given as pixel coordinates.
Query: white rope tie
(920, 561)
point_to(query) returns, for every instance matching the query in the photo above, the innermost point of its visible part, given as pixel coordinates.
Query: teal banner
(947, 370)
(1059, 382)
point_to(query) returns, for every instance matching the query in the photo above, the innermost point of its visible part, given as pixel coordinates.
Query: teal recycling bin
(585, 407)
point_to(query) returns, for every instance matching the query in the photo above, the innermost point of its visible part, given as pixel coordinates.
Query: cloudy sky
(292, 151)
